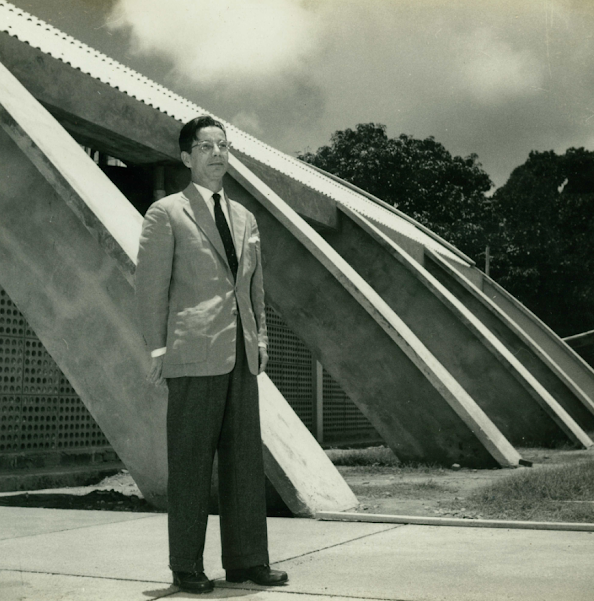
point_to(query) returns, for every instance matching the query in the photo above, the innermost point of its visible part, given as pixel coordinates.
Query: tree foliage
(420, 177)
(544, 249)
(539, 225)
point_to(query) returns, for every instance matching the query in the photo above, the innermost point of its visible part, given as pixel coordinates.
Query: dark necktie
(225, 233)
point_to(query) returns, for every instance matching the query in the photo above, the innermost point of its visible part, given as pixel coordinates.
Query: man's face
(207, 168)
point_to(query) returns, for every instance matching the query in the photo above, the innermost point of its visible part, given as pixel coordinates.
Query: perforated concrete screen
(343, 421)
(38, 407)
(40, 410)
(291, 368)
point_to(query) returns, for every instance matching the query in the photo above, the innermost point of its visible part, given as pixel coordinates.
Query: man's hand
(155, 374)
(263, 359)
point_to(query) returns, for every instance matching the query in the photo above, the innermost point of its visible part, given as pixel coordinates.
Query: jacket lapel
(201, 216)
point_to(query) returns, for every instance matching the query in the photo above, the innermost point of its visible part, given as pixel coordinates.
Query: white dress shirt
(210, 203)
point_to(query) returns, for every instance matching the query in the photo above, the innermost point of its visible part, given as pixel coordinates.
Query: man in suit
(201, 305)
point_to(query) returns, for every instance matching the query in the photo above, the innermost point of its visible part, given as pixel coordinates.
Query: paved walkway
(52, 554)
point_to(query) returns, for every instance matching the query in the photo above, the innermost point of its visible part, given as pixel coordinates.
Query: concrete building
(435, 358)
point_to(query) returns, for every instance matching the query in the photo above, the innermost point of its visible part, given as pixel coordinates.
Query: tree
(544, 253)
(420, 177)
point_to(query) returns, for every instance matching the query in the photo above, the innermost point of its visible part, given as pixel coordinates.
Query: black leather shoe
(193, 582)
(261, 575)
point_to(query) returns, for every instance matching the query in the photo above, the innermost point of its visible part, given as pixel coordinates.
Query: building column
(318, 401)
(158, 182)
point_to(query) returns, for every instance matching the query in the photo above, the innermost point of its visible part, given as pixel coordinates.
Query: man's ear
(186, 160)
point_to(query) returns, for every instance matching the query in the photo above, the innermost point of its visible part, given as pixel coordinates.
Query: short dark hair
(189, 132)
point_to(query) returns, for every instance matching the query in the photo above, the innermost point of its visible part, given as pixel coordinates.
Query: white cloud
(495, 71)
(248, 121)
(499, 77)
(212, 41)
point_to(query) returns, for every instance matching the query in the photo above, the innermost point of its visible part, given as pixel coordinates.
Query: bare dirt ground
(436, 492)
(392, 490)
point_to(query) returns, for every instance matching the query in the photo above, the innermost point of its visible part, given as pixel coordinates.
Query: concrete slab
(136, 549)
(29, 586)
(227, 591)
(92, 558)
(126, 550)
(293, 538)
(432, 563)
(18, 522)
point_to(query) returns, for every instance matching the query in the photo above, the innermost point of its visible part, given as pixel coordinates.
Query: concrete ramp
(514, 400)
(565, 375)
(68, 242)
(409, 397)
(583, 345)
(557, 351)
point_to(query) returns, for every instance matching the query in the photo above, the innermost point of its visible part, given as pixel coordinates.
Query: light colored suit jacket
(187, 300)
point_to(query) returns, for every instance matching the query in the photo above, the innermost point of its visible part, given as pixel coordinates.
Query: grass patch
(549, 493)
(378, 457)
(372, 456)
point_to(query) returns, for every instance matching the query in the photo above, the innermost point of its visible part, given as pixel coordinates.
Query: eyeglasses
(207, 147)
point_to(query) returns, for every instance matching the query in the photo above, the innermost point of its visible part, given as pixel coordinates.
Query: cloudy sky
(495, 77)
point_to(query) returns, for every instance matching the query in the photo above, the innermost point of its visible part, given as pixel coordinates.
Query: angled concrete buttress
(552, 362)
(583, 345)
(557, 368)
(410, 398)
(68, 242)
(513, 399)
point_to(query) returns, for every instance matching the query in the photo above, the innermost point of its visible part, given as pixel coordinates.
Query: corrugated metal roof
(59, 45)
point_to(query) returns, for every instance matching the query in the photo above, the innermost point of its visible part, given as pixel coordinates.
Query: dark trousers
(204, 415)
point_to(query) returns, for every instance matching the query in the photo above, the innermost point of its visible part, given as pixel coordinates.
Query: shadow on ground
(107, 500)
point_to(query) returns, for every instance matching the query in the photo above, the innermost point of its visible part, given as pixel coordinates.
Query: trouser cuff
(179, 564)
(242, 562)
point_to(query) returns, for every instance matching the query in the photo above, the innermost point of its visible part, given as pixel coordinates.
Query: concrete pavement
(66, 555)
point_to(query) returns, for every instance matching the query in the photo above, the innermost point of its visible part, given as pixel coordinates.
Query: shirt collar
(206, 193)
